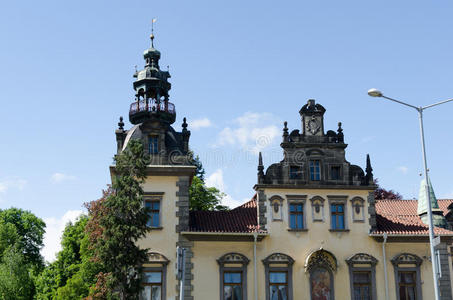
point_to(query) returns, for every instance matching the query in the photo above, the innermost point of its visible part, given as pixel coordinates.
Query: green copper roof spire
(422, 210)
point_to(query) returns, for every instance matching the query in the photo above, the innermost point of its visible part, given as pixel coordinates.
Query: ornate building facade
(313, 230)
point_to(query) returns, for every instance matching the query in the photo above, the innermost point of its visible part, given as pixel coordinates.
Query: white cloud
(252, 132)
(200, 123)
(216, 180)
(403, 169)
(60, 177)
(13, 183)
(54, 230)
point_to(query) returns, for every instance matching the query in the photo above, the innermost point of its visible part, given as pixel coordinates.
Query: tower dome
(151, 87)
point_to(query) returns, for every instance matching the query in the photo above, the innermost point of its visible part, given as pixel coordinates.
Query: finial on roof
(121, 124)
(260, 168)
(368, 170)
(340, 135)
(184, 124)
(152, 32)
(285, 132)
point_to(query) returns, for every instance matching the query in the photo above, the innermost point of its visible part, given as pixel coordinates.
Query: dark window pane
(155, 219)
(237, 291)
(292, 220)
(333, 208)
(340, 208)
(361, 277)
(152, 277)
(277, 277)
(156, 293)
(299, 207)
(230, 277)
(340, 222)
(292, 207)
(300, 223)
(334, 222)
(228, 292)
(335, 173)
(156, 205)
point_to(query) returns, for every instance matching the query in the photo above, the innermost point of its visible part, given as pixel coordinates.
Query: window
(152, 281)
(362, 275)
(407, 285)
(315, 170)
(232, 285)
(337, 211)
(295, 172)
(335, 173)
(153, 209)
(233, 276)
(296, 215)
(154, 277)
(153, 145)
(278, 268)
(407, 276)
(278, 285)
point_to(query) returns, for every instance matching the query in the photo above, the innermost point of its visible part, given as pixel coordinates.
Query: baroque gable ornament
(321, 258)
(313, 125)
(362, 258)
(233, 258)
(405, 259)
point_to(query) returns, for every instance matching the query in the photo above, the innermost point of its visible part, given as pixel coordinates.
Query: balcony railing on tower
(151, 105)
(145, 108)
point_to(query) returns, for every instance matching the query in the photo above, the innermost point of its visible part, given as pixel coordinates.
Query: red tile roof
(242, 219)
(400, 217)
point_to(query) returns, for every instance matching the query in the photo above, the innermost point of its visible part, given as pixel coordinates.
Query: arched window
(407, 276)
(362, 276)
(233, 276)
(321, 264)
(279, 276)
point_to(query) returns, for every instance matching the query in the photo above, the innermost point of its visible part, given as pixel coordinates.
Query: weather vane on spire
(152, 32)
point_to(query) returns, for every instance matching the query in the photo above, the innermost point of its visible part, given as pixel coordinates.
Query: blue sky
(239, 69)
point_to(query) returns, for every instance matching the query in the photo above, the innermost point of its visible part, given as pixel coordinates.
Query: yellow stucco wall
(164, 240)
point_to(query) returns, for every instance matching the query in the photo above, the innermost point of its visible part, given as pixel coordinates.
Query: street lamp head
(375, 93)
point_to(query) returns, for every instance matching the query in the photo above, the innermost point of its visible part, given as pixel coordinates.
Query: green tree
(202, 197)
(72, 273)
(15, 280)
(30, 231)
(119, 223)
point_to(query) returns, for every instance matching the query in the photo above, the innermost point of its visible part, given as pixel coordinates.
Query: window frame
(279, 262)
(338, 200)
(407, 259)
(157, 263)
(296, 200)
(240, 261)
(363, 262)
(298, 173)
(340, 172)
(154, 197)
(312, 174)
(296, 213)
(155, 145)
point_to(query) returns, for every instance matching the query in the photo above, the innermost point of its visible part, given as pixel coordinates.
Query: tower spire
(369, 171)
(152, 32)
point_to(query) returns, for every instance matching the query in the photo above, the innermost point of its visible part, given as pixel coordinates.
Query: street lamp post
(377, 93)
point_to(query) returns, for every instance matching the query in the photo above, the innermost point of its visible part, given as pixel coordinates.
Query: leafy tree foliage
(30, 231)
(202, 197)
(118, 221)
(381, 193)
(72, 273)
(15, 280)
